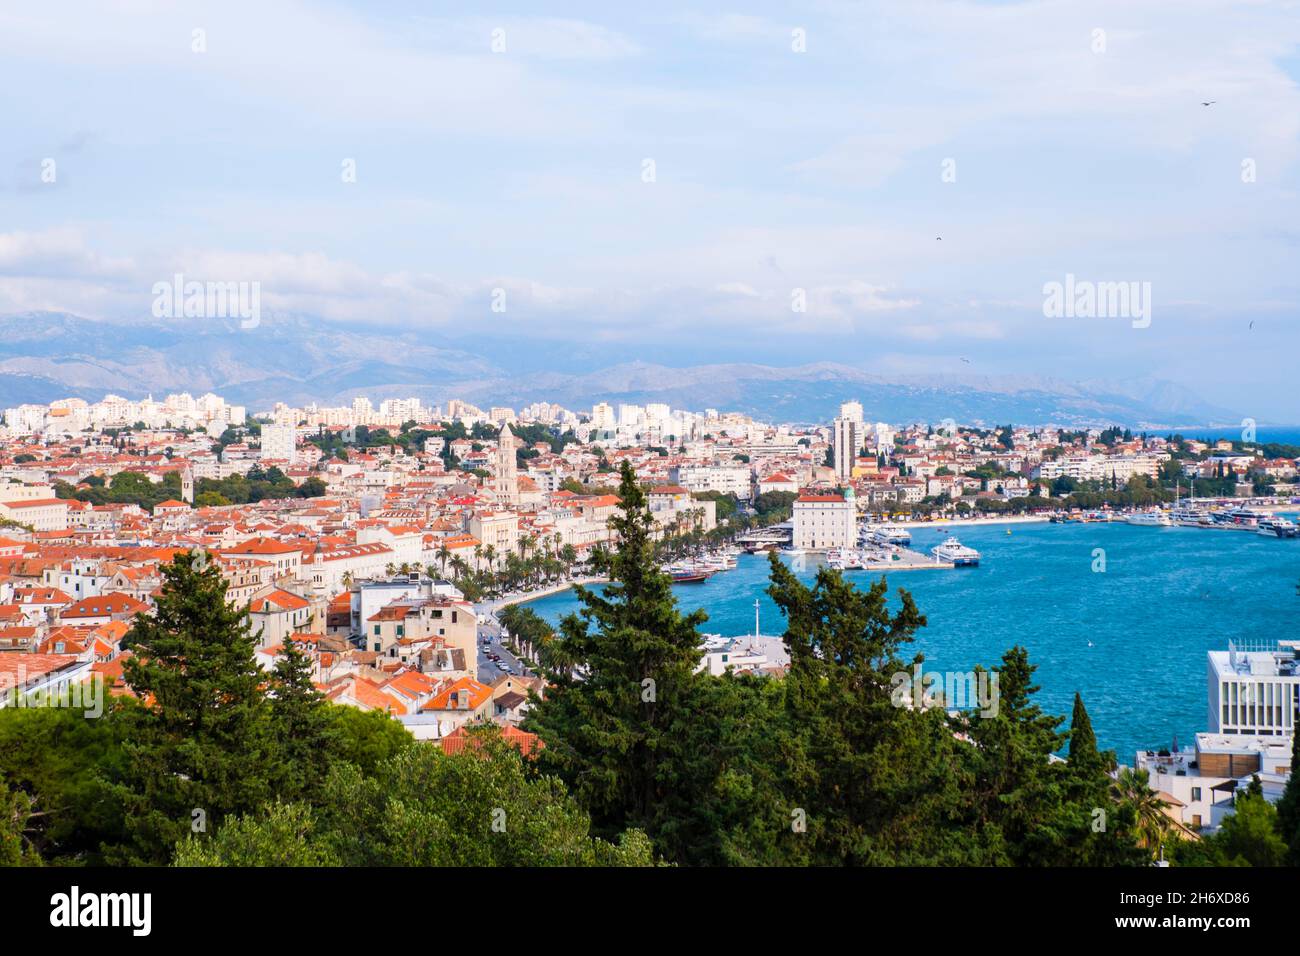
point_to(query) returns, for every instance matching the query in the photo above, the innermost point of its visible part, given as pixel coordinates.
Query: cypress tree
(1083, 742)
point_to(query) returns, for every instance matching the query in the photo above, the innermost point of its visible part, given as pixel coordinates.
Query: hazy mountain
(44, 356)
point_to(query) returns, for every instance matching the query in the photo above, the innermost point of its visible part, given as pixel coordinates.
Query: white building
(726, 479)
(278, 443)
(825, 521)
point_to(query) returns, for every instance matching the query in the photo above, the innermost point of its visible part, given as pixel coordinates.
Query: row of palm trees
(540, 560)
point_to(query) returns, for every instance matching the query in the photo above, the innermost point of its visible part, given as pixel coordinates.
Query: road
(489, 629)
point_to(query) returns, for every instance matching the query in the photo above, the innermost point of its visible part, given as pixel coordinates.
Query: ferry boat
(956, 552)
(1149, 519)
(891, 534)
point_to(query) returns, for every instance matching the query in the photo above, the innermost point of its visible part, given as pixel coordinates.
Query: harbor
(1131, 634)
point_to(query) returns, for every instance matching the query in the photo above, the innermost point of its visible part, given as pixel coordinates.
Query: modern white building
(1254, 692)
(278, 443)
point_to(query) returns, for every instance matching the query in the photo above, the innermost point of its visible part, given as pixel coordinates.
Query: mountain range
(46, 355)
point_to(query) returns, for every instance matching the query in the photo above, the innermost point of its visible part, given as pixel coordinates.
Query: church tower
(507, 469)
(187, 486)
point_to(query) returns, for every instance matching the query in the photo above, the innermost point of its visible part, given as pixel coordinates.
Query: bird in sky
(1252, 323)
(1209, 102)
(966, 360)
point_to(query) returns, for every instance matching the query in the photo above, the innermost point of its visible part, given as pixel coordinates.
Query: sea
(1122, 614)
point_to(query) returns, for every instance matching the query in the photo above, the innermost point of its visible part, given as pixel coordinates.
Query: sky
(886, 184)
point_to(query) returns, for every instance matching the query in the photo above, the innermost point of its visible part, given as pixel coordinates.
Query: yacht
(1240, 518)
(1277, 527)
(1149, 519)
(1188, 516)
(956, 552)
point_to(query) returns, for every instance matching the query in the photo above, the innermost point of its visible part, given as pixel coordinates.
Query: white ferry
(890, 534)
(956, 552)
(1149, 519)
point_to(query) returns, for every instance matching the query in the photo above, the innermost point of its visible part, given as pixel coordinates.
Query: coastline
(968, 522)
(524, 597)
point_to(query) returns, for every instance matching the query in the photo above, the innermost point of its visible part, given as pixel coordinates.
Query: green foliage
(424, 808)
(1250, 836)
(283, 834)
(257, 485)
(366, 738)
(60, 757)
(16, 810)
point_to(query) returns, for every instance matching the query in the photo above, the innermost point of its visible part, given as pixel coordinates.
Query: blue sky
(1074, 152)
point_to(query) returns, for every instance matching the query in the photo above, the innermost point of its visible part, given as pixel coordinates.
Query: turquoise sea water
(1166, 597)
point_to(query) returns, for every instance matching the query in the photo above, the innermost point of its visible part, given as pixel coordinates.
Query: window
(376, 630)
(1196, 794)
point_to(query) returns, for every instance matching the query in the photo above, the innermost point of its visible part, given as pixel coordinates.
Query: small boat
(689, 576)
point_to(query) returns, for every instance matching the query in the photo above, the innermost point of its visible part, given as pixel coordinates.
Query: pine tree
(301, 721)
(200, 747)
(621, 673)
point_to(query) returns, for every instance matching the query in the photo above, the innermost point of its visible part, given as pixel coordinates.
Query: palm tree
(444, 553)
(1154, 826)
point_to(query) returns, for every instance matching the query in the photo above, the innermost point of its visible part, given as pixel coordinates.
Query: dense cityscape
(384, 554)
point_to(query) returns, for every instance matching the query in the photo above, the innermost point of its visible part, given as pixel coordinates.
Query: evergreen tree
(200, 747)
(621, 673)
(880, 782)
(302, 724)
(1049, 812)
(1083, 742)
